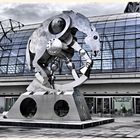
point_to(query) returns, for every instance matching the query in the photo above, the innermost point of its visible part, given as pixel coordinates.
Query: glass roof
(120, 42)
(114, 17)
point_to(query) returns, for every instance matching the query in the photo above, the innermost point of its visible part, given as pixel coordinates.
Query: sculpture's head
(93, 41)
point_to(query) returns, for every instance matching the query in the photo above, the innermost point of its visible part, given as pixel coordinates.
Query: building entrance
(113, 105)
(99, 105)
(104, 105)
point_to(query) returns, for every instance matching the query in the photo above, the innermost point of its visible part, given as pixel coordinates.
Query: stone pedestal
(68, 106)
(63, 110)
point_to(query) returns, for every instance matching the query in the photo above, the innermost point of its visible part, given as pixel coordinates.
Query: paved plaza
(123, 127)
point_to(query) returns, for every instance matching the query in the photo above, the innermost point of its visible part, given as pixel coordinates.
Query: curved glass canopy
(120, 46)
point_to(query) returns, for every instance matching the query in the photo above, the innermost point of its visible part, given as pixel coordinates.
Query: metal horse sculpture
(55, 39)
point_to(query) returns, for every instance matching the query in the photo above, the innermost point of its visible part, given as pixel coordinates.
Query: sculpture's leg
(85, 69)
(71, 66)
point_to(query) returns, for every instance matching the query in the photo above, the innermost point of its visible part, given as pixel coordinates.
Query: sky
(30, 13)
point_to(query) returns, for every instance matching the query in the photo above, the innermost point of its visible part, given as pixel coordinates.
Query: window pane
(1, 53)
(138, 42)
(118, 37)
(132, 36)
(130, 63)
(3, 69)
(138, 21)
(97, 64)
(106, 64)
(14, 52)
(100, 30)
(100, 25)
(118, 44)
(118, 63)
(21, 52)
(109, 39)
(118, 53)
(119, 29)
(18, 39)
(138, 52)
(130, 28)
(107, 54)
(120, 23)
(4, 61)
(129, 53)
(19, 68)
(110, 24)
(137, 28)
(6, 52)
(138, 62)
(107, 45)
(11, 69)
(130, 22)
(109, 30)
(22, 46)
(130, 44)
(137, 35)
(20, 60)
(12, 60)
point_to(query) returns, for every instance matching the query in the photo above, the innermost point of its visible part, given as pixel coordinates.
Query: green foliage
(124, 110)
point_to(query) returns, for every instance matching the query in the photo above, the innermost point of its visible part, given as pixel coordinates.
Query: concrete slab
(55, 124)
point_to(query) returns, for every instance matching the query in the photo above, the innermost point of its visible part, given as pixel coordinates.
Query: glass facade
(120, 47)
(120, 43)
(12, 54)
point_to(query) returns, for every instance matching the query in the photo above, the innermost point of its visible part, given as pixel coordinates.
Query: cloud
(33, 13)
(27, 13)
(96, 9)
